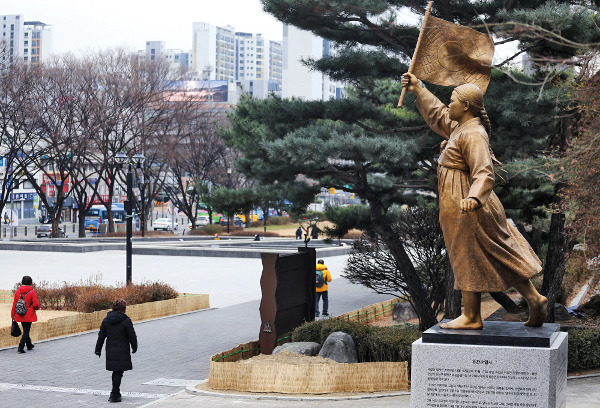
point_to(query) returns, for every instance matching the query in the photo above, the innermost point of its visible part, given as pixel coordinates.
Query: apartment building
(176, 57)
(29, 41)
(297, 79)
(258, 65)
(213, 51)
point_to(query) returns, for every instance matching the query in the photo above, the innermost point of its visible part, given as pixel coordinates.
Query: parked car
(165, 224)
(200, 221)
(237, 221)
(46, 231)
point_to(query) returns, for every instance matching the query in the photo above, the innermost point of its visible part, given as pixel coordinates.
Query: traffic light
(332, 190)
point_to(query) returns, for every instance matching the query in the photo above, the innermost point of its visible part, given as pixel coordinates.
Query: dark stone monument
(288, 294)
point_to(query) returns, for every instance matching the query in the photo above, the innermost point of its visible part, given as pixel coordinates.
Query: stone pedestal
(504, 365)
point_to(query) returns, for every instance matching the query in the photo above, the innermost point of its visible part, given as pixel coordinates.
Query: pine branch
(394, 130)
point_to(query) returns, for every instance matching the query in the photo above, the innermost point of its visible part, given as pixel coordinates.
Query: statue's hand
(411, 83)
(469, 204)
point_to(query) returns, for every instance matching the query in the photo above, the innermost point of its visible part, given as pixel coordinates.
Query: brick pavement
(172, 348)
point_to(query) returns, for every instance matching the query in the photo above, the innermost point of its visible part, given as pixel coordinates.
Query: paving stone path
(172, 351)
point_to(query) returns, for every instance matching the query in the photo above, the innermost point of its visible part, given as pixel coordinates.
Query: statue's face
(457, 108)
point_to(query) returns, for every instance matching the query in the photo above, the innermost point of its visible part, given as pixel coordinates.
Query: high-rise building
(249, 60)
(258, 65)
(39, 36)
(276, 61)
(29, 41)
(176, 57)
(213, 51)
(298, 80)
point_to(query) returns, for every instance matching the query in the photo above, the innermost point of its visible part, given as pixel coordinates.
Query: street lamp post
(123, 160)
(142, 186)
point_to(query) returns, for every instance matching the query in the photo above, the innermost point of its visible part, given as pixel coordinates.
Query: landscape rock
(339, 347)
(403, 312)
(305, 348)
(561, 313)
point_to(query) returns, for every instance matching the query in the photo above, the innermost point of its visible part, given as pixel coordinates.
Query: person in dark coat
(32, 304)
(314, 233)
(299, 233)
(119, 333)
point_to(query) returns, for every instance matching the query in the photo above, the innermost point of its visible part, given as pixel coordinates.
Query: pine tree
(365, 145)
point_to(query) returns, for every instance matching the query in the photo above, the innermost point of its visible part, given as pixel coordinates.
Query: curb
(194, 391)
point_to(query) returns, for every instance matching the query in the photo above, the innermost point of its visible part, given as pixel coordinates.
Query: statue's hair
(472, 94)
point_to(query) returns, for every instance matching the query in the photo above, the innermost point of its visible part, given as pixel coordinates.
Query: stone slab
(496, 334)
(466, 375)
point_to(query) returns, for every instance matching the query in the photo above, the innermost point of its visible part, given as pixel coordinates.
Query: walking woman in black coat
(118, 331)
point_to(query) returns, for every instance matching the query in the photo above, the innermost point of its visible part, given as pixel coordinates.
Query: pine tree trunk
(418, 294)
(505, 301)
(554, 269)
(555, 258)
(453, 297)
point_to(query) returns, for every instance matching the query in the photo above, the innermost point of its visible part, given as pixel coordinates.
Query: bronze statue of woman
(487, 253)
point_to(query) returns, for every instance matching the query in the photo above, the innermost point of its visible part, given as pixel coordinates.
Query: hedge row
(373, 344)
(394, 343)
(93, 296)
(584, 348)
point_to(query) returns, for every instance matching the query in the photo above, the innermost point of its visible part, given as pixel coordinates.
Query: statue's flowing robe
(487, 253)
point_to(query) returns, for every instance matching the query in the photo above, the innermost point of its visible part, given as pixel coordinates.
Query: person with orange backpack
(322, 278)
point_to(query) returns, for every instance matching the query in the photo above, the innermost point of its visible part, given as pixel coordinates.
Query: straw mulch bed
(290, 373)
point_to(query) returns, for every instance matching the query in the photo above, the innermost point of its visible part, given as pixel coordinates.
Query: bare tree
(16, 125)
(199, 157)
(57, 148)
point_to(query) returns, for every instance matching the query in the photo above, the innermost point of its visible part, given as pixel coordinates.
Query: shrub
(309, 331)
(90, 295)
(242, 233)
(212, 229)
(197, 231)
(584, 348)
(355, 234)
(373, 344)
(278, 220)
(592, 307)
(160, 291)
(149, 233)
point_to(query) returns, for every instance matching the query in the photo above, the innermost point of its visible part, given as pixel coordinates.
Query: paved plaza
(173, 352)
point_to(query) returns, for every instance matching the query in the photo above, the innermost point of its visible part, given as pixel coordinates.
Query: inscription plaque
(470, 376)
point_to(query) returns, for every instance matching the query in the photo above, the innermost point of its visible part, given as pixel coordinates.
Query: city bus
(97, 215)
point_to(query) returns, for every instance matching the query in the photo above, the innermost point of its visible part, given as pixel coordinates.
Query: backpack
(20, 306)
(320, 280)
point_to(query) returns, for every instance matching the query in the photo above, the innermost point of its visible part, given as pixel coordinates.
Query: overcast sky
(81, 25)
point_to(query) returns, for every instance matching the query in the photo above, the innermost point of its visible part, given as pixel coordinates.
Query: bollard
(15, 232)
(25, 230)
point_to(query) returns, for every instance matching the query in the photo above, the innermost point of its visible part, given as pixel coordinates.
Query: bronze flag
(451, 55)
